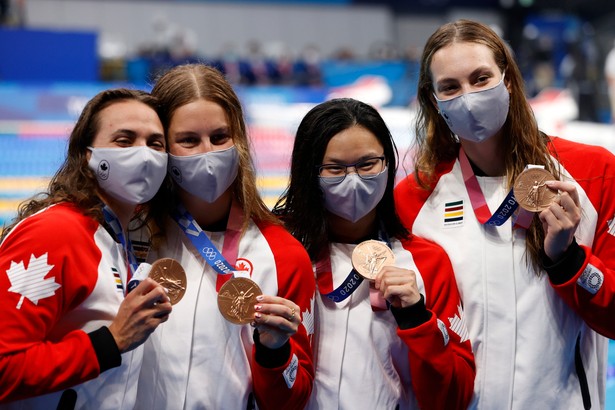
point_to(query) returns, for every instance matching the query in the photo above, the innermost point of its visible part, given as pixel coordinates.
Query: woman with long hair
(389, 330)
(526, 219)
(65, 263)
(239, 337)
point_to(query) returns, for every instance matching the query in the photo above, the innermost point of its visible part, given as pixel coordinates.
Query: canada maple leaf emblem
(308, 318)
(30, 282)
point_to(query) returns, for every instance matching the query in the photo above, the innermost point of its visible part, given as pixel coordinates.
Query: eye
(156, 143)
(123, 141)
(332, 169)
(447, 89)
(369, 164)
(220, 139)
(188, 141)
(483, 79)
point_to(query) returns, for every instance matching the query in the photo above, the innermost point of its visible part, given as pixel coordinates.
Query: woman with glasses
(390, 332)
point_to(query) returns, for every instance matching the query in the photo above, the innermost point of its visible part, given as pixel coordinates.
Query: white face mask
(354, 197)
(132, 175)
(206, 175)
(478, 115)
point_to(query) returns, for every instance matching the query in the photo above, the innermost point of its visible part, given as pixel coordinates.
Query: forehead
(199, 112)
(353, 143)
(459, 60)
(127, 112)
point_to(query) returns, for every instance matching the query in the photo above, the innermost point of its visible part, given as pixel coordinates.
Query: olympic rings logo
(209, 253)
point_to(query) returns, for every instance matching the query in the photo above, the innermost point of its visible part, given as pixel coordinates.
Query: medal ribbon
(230, 248)
(324, 277)
(114, 223)
(507, 208)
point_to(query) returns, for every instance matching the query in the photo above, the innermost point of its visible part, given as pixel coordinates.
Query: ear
(434, 102)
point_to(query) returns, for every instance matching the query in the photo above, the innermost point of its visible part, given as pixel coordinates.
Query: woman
(532, 286)
(64, 268)
(220, 230)
(398, 342)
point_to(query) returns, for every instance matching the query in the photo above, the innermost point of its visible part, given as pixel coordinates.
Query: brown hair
(523, 142)
(190, 82)
(74, 182)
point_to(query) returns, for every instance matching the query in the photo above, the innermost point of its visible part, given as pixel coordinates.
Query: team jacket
(525, 325)
(366, 360)
(197, 359)
(61, 276)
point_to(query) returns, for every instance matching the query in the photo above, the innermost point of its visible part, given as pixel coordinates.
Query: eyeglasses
(366, 169)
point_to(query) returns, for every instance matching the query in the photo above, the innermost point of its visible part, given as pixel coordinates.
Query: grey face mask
(132, 175)
(354, 197)
(206, 175)
(478, 115)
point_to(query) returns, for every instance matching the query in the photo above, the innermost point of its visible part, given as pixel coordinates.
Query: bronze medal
(370, 256)
(531, 192)
(170, 274)
(236, 300)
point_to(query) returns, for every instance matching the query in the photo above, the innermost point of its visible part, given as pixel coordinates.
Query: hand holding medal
(370, 256)
(241, 301)
(168, 272)
(236, 300)
(531, 190)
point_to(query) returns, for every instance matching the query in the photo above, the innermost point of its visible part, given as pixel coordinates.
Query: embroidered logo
(444, 331)
(118, 280)
(611, 224)
(591, 279)
(458, 324)
(453, 213)
(290, 373)
(308, 319)
(245, 265)
(30, 282)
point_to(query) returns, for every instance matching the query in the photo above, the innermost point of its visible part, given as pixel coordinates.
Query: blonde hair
(190, 82)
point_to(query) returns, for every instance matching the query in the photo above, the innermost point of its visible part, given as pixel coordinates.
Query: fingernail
(257, 307)
(166, 290)
(258, 315)
(260, 298)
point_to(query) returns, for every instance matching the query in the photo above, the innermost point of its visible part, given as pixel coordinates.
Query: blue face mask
(206, 175)
(354, 197)
(479, 115)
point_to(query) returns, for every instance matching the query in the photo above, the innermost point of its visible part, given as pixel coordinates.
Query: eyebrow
(129, 132)
(477, 71)
(338, 161)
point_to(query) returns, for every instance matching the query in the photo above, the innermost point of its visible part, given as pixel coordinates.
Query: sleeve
(38, 262)
(585, 277)
(439, 351)
(290, 384)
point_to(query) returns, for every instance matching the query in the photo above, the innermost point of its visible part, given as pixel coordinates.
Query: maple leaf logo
(308, 318)
(30, 282)
(458, 324)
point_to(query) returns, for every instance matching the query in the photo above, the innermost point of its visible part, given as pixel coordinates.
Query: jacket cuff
(270, 358)
(566, 267)
(411, 316)
(106, 349)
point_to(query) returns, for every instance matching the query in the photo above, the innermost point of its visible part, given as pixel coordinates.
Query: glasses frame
(338, 179)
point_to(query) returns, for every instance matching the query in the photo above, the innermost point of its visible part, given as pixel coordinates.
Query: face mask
(354, 197)
(206, 175)
(478, 115)
(131, 175)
